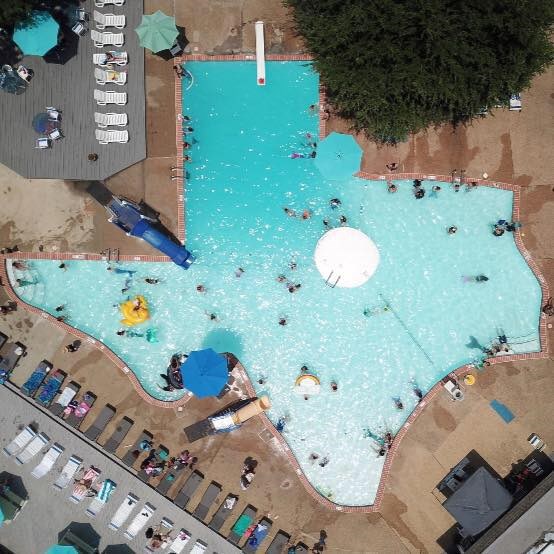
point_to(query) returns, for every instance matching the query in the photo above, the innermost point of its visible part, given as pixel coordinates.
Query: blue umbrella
(205, 373)
(338, 157)
(37, 35)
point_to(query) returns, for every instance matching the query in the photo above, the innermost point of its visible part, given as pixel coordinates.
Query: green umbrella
(157, 31)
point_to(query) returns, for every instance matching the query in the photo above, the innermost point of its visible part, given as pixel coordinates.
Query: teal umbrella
(59, 549)
(338, 157)
(36, 35)
(157, 31)
(1, 517)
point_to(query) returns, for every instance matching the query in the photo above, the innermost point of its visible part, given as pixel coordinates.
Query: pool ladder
(110, 254)
(328, 280)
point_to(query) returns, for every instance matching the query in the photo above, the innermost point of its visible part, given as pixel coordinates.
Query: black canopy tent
(478, 502)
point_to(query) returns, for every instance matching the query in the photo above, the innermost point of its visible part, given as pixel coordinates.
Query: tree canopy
(394, 67)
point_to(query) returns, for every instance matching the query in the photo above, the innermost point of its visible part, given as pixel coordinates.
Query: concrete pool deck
(506, 145)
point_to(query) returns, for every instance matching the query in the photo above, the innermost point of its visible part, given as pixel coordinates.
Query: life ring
(469, 379)
(307, 384)
(134, 311)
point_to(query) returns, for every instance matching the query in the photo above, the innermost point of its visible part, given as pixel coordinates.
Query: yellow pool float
(134, 311)
(469, 379)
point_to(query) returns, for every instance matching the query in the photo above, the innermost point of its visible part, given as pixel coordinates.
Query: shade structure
(346, 257)
(157, 31)
(2, 518)
(338, 157)
(205, 373)
(478, 502)
(43, 124)
(60, 549)
(37, 35)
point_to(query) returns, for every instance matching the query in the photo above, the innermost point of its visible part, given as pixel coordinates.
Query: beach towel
(242, 524)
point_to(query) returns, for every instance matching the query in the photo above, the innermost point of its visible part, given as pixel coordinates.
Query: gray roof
(479, 502)
(70, 88)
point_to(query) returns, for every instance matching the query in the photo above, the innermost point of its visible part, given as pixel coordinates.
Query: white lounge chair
(515, 103)
(199, 547)
(101, 498)
(56, 134)
(48, 461)
(123, 512)
(102, 3)
(32, 449)
(104, 76)
(109, 119)
(119, 58)
(103, 20)
(104, 97)
(79, 28)
(182, 539)
(107, 39)
(68, 472)
(166, 526)
(536, 442)
(107, 137)
(79, 490)
(19, 442)
(140, 521)
(53, 113)
(43, 142)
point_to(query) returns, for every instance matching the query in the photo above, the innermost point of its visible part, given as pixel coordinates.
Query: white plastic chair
(56, 134)
(109, 119)
(79, 29)
(47, 462)
(32, 449)
(102, 3)
(100, 59)
(19, 442)
(103, 20)
(53, 113)
(140, 521)
(106, 39)
(199, 547)
(182, 539)
(43, 142)
(68, 472)
(103, 76)
(111, 135)
(104, 97)
(123, 512)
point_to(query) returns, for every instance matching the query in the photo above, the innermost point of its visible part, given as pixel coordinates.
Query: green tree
(394, 67)
(14, 11)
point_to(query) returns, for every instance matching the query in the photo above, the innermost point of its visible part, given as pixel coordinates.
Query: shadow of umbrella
(118, 549)
(224, 340)
(15, 483)
(76, 532)
(10, 54)
(181, 40)
(67, 47)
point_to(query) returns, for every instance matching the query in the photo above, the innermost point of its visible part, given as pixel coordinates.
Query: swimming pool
(240, 178)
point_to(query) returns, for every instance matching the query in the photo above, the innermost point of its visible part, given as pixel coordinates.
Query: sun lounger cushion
(32, 449)
(223, 512)
(34, 381)
(166, 483)
(140, 521)
(178, 545)
(118, 435)
(123, 512)
(50, 387)
(68, 471)
(278, 543)
(104, 417)
(20, 441)
(76, 418)
(66, 396)
(208, 499)
(242, 524)
(129, 458)
(9, 360)
(99, 501)
(188, 489)
(257, 537)
(47, 461)
(80, 490)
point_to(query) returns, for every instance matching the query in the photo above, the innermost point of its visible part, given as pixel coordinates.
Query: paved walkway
(33, 533)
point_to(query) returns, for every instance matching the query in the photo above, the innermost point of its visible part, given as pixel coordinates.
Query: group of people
(502, 225)
(248, 472)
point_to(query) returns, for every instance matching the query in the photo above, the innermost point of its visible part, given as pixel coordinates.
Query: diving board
(260, 53)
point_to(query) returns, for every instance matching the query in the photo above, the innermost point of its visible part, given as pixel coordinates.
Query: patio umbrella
(338, 157)
(205, 373)
(37, 35)
(59, 549)
(42, 123)
(157, 31)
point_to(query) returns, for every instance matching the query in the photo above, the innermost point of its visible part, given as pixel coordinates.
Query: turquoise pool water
(240, 178)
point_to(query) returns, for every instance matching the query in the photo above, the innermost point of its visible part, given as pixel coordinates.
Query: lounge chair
(103, 418)
(75, 419)
(536, 442)
(104, 97)
(112, 444)
(179, 543)
(301, 548)
(199, 547)
(50, 386)
(119, 58)
(3, 339)
(103, 20)
(208, 499)
(68, 472)
(37, 377)
(102, 3)
(43, 143)
(129, 459)
(110, 119)
(9, 359)
(123, 512)
(81, 490)
(241, 525)
(165, 484)
(22, 440)
(166, 526)
(56, 134)
(104, 76)
(140, 521)
(188, 489)
(66, 396)
(54, 114)
(101, 498)
(111, 135)
(258, 536)
(32, 449)
(278, 543)
(223, 512)
(48, 461)
(515, 103)
(107, 39)
(161, 454)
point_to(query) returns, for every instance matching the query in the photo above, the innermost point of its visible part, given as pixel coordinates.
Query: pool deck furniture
(66, 396)
(129, 459)
(36, 378)
(3, 340)
(243, 522)
(100, 423)
(107, 39)
(199, 547)
(48, 461)
(105, 97)
(116, 438)
(81, 491)
(260, 534)
(123, 512)
(145, 513)
(111, 136)
(68, 472)
(278, 543)
(208, 498)
(223, 513)
(188, 489)
(120, 59)
(103, 20)
(166, 483)
(68, 158)
(50, 387)
(165, 528)
(102, 497)
(74, 419)
(32, 449)
(110, 76)
(20, 442)
(10, 356)
(160, 454)
(111, 119)
(102, 3)
(180, 541)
